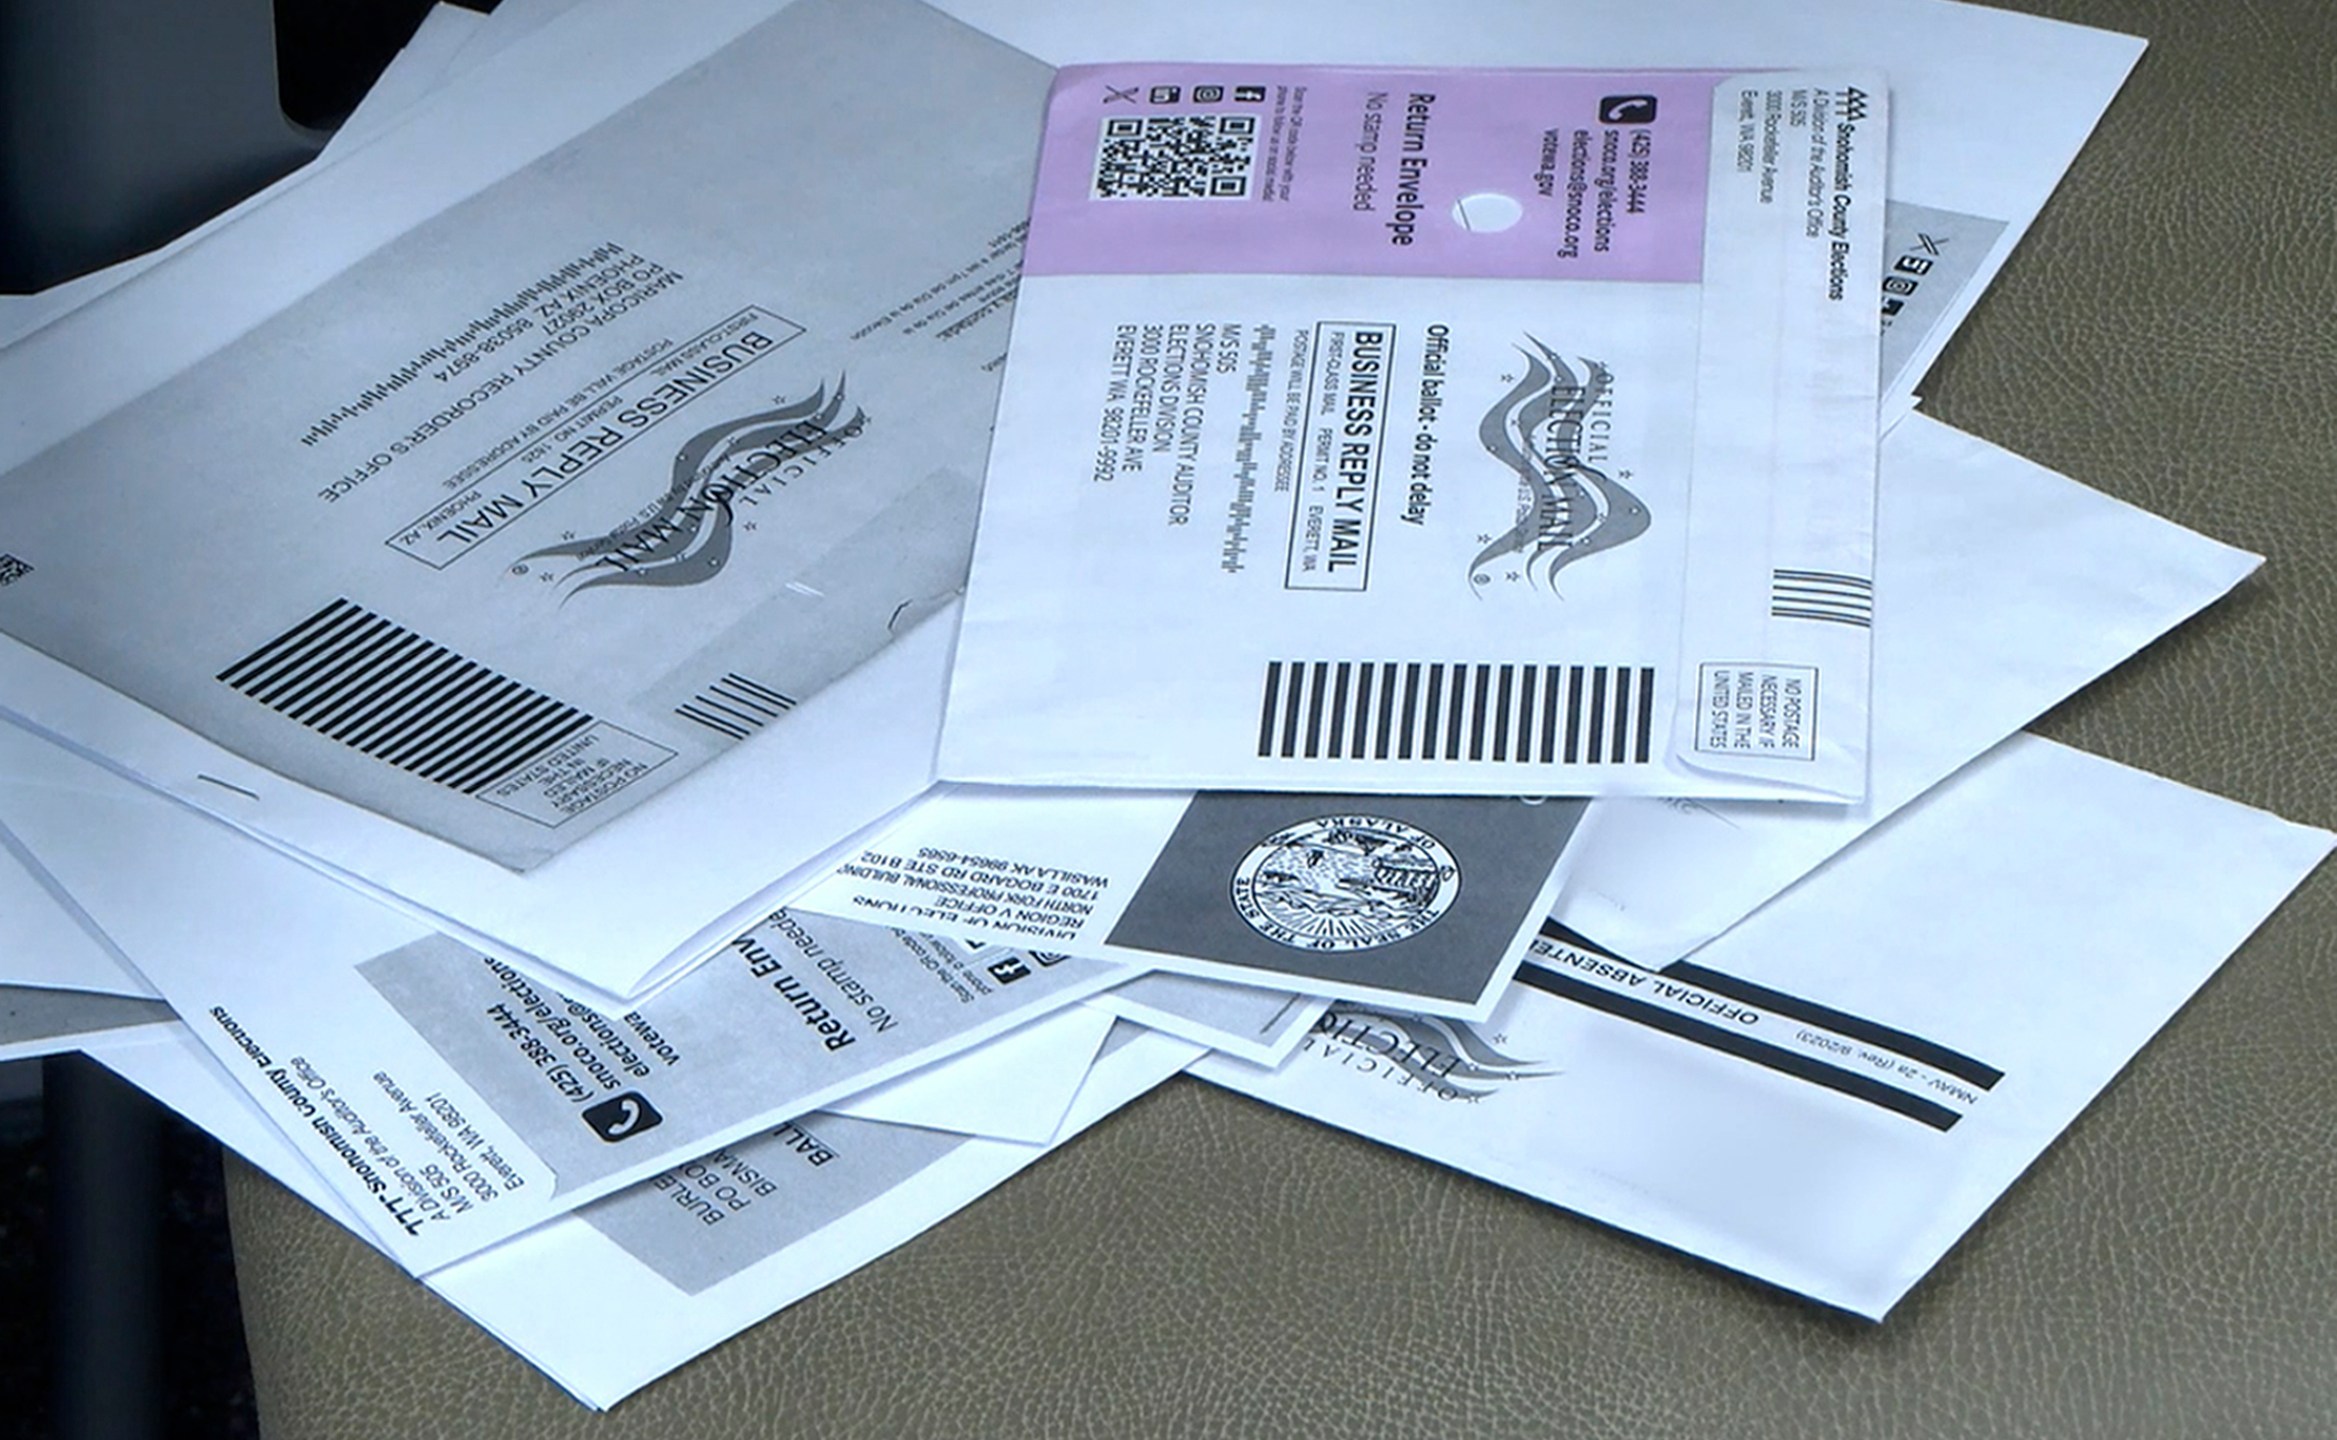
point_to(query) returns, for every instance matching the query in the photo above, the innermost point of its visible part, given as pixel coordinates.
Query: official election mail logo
(1449, 1059)
(685, 536)
(1551, 429)
(1345, 882)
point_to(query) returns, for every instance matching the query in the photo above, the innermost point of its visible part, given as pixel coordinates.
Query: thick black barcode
(385, 691)
(735, 706)
(1821, 595)
(1430, 710)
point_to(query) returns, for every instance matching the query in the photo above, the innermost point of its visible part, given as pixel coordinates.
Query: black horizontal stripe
(542, 728)
(1743, 1047)
(367, 682)
(1809, 1012)
(248, 674)
(1827, 577)
(1838, 617)
(712, 722)
(1824, 595)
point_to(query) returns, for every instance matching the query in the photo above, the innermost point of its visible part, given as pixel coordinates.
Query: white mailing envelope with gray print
(1465, 432)
(1830, 1094)
(646, 473)
(454, 1101)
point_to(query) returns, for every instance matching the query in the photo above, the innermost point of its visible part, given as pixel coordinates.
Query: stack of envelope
(719, 628)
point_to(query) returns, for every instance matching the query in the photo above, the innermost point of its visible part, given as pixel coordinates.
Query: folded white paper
(1836, 1089)
(452, 1099)
(1441, 431)
(790, 1213)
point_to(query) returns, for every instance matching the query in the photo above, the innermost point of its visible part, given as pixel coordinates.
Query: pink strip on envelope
(1265, 169)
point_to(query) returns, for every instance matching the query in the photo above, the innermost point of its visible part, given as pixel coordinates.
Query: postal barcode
(735, 706)
(1431, 710)
(384, 691)
(1821, 595)
(1176, 157)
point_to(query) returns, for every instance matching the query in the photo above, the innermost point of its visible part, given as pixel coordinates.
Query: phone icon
(1627, 110)
(621, 1117)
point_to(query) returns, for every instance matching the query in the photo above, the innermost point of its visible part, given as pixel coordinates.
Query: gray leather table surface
(1200, 1265)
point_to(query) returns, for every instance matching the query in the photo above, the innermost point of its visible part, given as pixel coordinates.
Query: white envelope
(800, 694)
(2001, 589)
(451, 1098)
(665, 1285)
(1309, 477)
(1838, 1087)
(1965, 185)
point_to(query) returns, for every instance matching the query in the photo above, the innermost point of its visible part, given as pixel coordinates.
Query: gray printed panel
(700, 1223)
(32, 1013)
(1336, 902)
(1929, 256)
(791, 1014)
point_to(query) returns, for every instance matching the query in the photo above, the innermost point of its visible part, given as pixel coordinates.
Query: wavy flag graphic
(1474, 1060)
(685, 540)
(1571, 510)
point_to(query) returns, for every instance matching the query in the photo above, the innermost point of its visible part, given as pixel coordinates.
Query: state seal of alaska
(1345, 882)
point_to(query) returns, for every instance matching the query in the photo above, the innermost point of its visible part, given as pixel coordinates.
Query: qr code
(12, 569)
(1177, 157)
